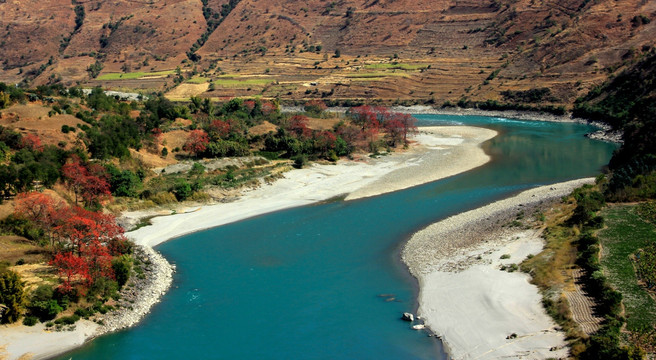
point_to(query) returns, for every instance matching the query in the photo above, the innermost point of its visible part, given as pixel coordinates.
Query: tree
(324, 141)
(70, 268)
(196, 142)
(83, 226)
(394, 129)
(32, 142)
(12, 295)
(399, 126)
(315, 107)
(182, 189)
(41, 209)
(365, 117)
(219, 129)
(75, 175)
(88, 182)
(298, 125)
(98, 260)
(95, 189)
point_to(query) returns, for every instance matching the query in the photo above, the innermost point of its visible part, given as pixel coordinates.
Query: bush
(300, 161)
(102, 287)
(45, 309)
(84, 312)
(30, 320)
(182, 189)
(65, 297)
(68, 320)
(163, 198)
(122, 267)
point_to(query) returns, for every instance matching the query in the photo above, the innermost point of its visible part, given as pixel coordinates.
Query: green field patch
(625, 234)
(374, 75)
(396, 66)
(241, 83)
(198, 80)
(133, 75)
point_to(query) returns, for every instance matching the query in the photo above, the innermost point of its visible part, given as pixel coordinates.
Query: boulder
(408, 317)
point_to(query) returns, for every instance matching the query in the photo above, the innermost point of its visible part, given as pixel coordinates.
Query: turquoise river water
(305, 283)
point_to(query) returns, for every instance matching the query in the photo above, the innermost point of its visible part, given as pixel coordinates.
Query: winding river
(325, 281)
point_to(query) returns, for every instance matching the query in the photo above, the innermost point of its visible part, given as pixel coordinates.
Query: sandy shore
(440, 152)
(464, 296)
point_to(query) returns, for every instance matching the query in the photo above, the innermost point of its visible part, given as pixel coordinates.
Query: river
(325, 281)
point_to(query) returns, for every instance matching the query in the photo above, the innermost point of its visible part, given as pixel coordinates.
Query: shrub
(30, 320)
(122, 267)
(182, 189)
(68, 320)
(102, 287)
(84, 312)
(163, 198)
(45, 309)
(300, 161)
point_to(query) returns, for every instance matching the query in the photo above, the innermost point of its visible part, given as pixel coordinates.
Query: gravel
(426, 251)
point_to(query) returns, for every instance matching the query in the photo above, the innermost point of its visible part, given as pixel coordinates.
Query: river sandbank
(478, 310)
(437, 152)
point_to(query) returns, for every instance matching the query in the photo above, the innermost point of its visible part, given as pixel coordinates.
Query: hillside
(430, 51)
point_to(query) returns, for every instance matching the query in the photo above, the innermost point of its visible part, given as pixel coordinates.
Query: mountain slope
(470, 48)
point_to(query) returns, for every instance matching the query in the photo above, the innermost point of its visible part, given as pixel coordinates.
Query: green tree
(182, 189)
(122, 267)
(12, 295)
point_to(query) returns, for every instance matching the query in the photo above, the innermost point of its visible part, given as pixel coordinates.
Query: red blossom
(71, 267)
(219, 128)
(32, 142)
(196, 142)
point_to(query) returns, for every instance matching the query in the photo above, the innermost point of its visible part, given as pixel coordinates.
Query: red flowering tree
(90, 183)
(32, 142)
(82, 226)
(219, 129)
(98, 260)
(394, 129)
(365, 116)
(408, 123)
(197, 142)
(298, 125)
(268, 108)
(324, 141)
(41, 209)
(249, 105)
(315, 107)
(70, 268)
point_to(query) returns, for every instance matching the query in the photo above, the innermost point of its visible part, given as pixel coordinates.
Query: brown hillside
(446, 48)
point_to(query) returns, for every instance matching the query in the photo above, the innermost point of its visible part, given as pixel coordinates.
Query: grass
(548, 268)
(241, 83)
(399, 66)
(133, 75)
(626, 232)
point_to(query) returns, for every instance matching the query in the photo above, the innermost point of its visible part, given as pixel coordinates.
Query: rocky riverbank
(144, 289)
